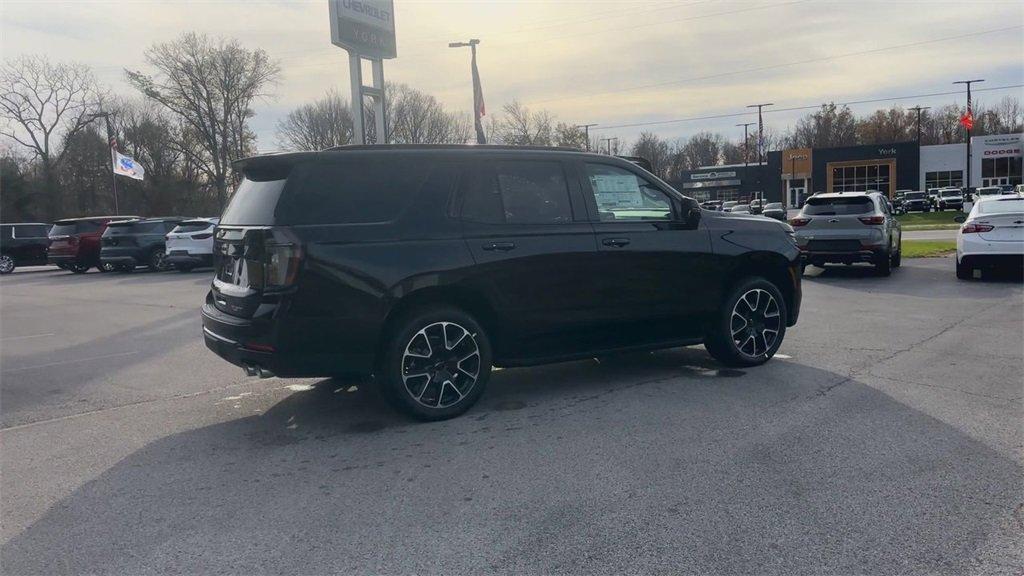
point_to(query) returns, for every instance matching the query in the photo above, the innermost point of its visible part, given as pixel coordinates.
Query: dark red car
(75, 242)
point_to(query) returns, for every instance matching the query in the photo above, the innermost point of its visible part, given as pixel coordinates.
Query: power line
(785, 64)
(797, 108)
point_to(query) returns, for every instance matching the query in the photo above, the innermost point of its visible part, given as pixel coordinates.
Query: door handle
(617, 242)
(502, 246)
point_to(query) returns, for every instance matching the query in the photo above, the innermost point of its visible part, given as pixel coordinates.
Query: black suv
(428, 265)
(23, 244)
(141, 242)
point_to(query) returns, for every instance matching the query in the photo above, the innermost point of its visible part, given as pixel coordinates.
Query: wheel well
(464, 299)
(770, 266)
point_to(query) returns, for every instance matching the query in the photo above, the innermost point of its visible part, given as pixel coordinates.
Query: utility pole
(760, 142)
(586, 130)
(970, 113)
(610, 140)
(919, 109)
(113, 158)
(478, 96)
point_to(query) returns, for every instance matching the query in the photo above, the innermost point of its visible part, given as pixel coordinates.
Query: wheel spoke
(456, 343)
(441, 350)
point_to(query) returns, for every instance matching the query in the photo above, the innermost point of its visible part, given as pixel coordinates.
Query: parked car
(756, 206)
(712, 205)
(988, 191)
(899, 201)
(775, 210)
(75, 243)
(728, 204)
(951, 199)
(190, 244)
(915, 201)
(139, 242)
(992, 236)
(741, 208)
(428, 265)
(847, 228)
(933, 197)
(22, 244)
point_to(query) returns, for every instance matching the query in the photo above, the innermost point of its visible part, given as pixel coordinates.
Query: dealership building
(790, 176)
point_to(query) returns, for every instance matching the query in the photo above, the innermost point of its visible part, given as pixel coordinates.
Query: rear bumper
(121, 256)
(822, 257)
(179, 259)
(274, 344)
(60, 259)
(993, 261)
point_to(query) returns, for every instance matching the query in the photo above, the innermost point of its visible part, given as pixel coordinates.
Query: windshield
(838, 206)
(1001, 206)
(914, 195)
(948, 193)
(989, 191)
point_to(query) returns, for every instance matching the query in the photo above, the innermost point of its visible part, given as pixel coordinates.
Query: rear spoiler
(641, 162)
(271, 166)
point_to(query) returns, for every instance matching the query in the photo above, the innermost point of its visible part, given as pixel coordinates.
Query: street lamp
(478, 95)
(970, 114)
(919, 109)
(760, 140)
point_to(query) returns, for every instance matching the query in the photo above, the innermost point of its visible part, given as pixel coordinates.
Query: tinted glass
(5, 232)
(62, 229)
(622, 195)
(838, 206)
(914, 195)
(350, 192)
(1001, 206)
(532, 192)
(188, 227)
(773, 206)
(946, 193)
(253, 203)
(32, 231)
(481, 203)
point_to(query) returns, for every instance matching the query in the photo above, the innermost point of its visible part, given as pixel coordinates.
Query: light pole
(970, 116)
(760, 140)
(746, 149)
(586, 130)
(478, 95)
(919, 109)
(110, 143)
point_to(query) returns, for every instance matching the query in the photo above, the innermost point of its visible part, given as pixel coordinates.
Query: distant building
(995, 161)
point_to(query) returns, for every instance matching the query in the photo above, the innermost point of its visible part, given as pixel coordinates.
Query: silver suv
(848, 227)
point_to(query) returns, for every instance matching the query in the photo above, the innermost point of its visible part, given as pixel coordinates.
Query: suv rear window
(253, 203)
(70, 228)
(948, 193)
(115, 229)
(30, 231)
(192, 226)
(838, 206)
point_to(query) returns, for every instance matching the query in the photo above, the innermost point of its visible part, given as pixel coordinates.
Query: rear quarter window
(351, 191)
(838, 206)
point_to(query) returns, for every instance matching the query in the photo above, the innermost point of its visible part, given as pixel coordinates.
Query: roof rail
(446, 147)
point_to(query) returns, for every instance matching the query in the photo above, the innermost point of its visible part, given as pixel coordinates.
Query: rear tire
(435, 364)
(741, 333)
(157, 261)
(883, 264)
(897, 258)
(964, 272)
(78, 268)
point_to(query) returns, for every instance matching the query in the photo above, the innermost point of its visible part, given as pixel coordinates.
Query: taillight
(283, 256)
(204, 236)
(975, 228)
(872, 220)
(799, 221)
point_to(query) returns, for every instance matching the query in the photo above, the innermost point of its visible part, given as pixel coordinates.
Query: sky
(626, 65)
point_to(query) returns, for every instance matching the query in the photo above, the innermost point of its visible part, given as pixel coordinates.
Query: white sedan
(991, 237)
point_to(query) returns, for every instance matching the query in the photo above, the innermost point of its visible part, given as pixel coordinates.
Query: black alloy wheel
(158, 260)
(437, 364)
(751, 324)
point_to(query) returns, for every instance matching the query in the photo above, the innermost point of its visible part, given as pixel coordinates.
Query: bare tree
(318, 125)
(702, 149)
(415, 117)
(43, 105)
(570, 135)
(656, 151)
(210, 86)
(1009, 114)
(519, 126)
(828, 127)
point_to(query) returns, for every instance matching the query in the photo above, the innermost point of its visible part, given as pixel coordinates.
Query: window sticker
(616, 191)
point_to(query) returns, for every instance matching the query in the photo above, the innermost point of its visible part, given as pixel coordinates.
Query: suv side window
(518, 192)
(622, 195)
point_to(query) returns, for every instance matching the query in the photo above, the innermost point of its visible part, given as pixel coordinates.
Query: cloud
(581, 60)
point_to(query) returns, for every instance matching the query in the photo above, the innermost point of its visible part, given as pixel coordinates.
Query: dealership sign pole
(366, 29)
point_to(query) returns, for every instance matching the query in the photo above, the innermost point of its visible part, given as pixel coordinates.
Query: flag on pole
(127, 166)
(479, 110)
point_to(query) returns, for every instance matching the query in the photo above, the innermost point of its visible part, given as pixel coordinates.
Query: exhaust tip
(250, 370)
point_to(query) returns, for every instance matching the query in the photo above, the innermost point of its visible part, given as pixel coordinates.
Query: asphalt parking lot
(886, 438)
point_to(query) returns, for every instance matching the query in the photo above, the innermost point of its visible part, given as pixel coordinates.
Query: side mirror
(689, 212)
(960, 219)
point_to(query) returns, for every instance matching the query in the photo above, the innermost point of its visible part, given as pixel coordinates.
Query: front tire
(964, 272)
(157, 261)
(436, 363)
(78, 268)
(750, 325)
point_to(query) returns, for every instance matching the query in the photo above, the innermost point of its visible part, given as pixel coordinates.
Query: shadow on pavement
(922, 277)
(651, 463)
